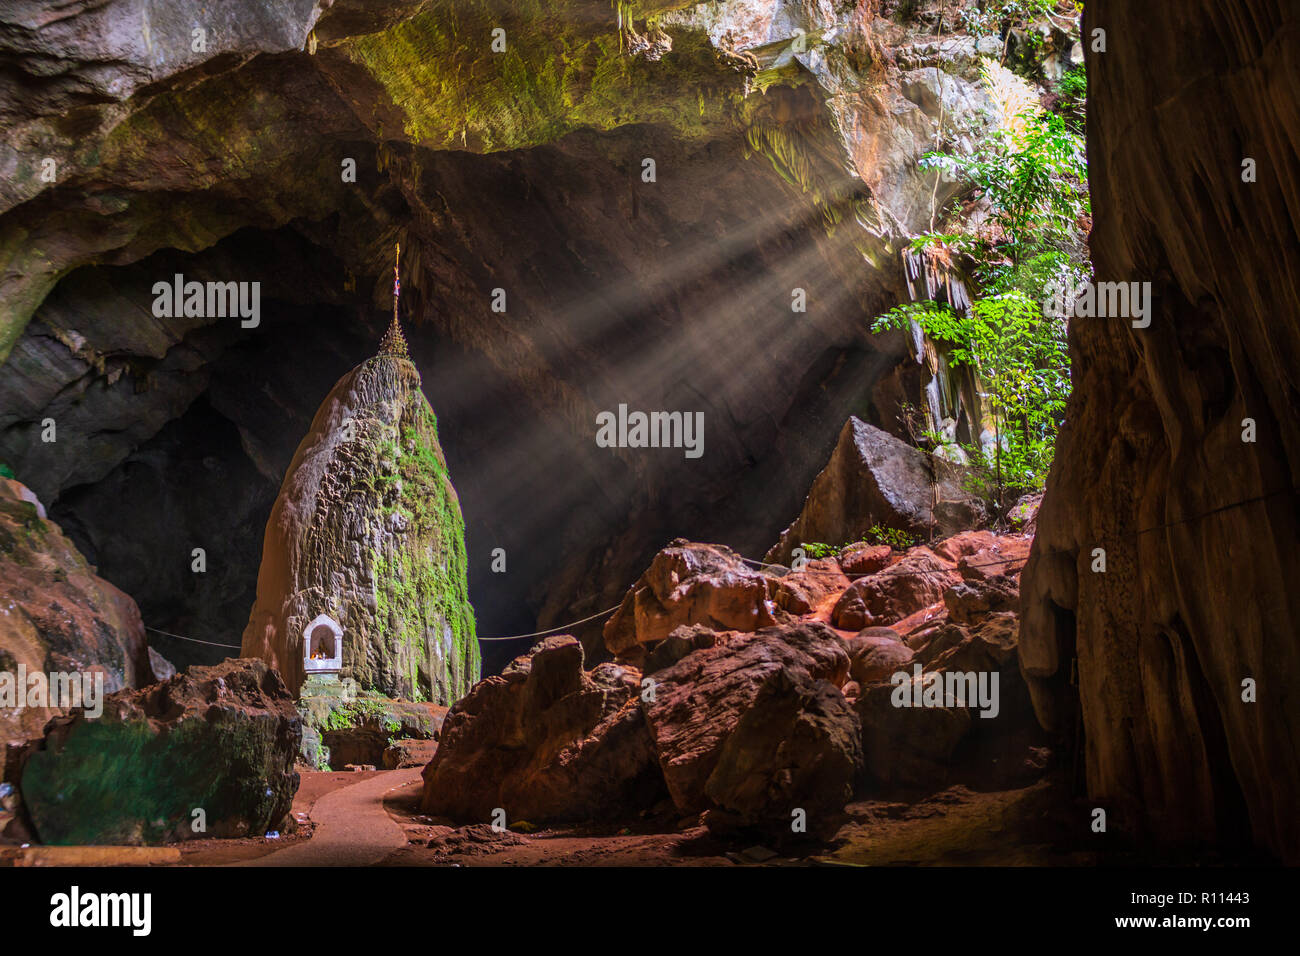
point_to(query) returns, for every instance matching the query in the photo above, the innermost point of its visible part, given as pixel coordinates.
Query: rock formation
(56, 613)
(367, 531)
(750, 727)
(545, 740)
(873, 479)
(220, 740)
(1145, 663)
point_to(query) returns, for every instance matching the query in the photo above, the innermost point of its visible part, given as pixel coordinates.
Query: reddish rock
(699, 701)
(57, 614)
(545, 741)
(802, 592)
(890, 595)
(859, 560)
(879, 660)
(796, 748)
(908, 746)
(689, 583)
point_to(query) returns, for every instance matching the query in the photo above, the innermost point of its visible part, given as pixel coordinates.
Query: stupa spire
(394, 343)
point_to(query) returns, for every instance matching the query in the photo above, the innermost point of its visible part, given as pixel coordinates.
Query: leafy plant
(1033, 177)
(895, 538)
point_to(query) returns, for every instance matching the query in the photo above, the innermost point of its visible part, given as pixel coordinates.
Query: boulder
(796, 748)
(58, 614)
(220, 739)
(876, 659)
(860, 559)
(888, 596)
(803, 592)
(873, 478)
(545, 740)
(689, 583)
(908, 746)
(700, 701)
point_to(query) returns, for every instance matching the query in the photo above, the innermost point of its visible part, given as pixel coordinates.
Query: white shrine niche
(322, 642)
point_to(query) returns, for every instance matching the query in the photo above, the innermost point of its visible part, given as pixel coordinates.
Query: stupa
(363, 572)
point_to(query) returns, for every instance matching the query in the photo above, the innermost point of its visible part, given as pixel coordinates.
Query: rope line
(552, 630)
(181, 637)
(762, 564)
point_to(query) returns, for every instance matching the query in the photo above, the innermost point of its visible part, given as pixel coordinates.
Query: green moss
(560, 70)
(125, 783)
(421, 587)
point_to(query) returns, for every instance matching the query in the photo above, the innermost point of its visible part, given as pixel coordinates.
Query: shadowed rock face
(367, 530)
(222, 739)
(1199, 527)
(873, 479)
(775, 170)
(57, 614)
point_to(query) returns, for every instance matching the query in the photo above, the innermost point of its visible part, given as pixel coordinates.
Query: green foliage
(896, 539)
(876, 534)
(1072, 96)
(820, 549)
(6, 471)
(986, 19)
(1035, 185)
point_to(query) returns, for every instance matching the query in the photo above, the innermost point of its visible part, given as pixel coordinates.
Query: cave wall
(1199, 527)
(779, 165)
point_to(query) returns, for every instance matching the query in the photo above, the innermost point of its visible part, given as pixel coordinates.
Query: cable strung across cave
(766, 565)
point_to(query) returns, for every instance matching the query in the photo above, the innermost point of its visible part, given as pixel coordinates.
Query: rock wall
(1198, 525)
(57, 614)
(785, 136)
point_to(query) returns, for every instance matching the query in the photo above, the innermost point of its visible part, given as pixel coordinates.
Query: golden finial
(394, 343)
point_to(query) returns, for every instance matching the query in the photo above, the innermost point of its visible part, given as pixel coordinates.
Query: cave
(678, 208)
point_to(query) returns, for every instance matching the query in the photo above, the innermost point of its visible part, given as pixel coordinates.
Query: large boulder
(902, 589)
(367, 532)
(700, 702)
(56, 614)
(689, 583)
(873, 478)
(213, 744)
(545, 740)
(797, 748)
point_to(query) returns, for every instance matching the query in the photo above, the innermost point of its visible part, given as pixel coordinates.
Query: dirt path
(352, 827)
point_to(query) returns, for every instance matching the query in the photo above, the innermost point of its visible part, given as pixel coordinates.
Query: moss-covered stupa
(365, 547)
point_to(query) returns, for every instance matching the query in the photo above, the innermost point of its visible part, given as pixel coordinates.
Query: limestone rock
(700, 701)
(888, 596)
(689, 583)
(56, 613)
(1198, 526)
(367, 531)
(797, 747)
(873, 478)
(545, 741)
(222, 739)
